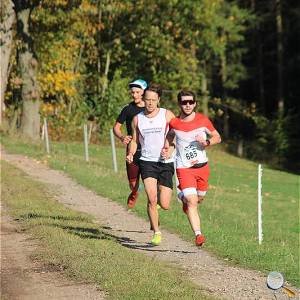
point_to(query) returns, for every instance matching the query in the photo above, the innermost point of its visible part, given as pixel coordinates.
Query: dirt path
(23, 278)
(217, 277)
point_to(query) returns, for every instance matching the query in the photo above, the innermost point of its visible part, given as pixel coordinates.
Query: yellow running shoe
(156, 239)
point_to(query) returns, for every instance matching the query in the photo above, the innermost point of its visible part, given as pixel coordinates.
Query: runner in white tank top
(149, 129)
(152, 133)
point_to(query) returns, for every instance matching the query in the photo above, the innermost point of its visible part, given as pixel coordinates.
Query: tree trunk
(6, 40)
(260, 73)
(257, 43)
(204, 94)
(226, 123)
(223, 71)
(279, 31)
(99, 47)
(105, 76)
(30, 121)
(27, 65)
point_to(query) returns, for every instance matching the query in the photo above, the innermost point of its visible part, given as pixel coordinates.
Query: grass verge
(86, 251)
(229, 213)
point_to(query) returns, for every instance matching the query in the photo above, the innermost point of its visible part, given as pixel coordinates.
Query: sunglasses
(185, 102)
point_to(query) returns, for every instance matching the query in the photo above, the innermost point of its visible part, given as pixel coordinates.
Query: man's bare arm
(134, 141)
(169, 145)
(215, 138)
(125, 139)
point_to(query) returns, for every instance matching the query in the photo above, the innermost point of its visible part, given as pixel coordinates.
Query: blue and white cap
(139, 83)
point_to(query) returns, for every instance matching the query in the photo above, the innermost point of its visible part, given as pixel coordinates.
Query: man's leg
(194, 218)
(133, 178)
(184, 179)
(151, 191)
(202, 175)
(192, 211)
(181, 199)
(165, 195)
(166, 172)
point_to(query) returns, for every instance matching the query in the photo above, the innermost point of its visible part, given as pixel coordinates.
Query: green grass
(73, 242)
(229, 213)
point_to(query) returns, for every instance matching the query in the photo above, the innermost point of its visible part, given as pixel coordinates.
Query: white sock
(157, 232)
(197, 232)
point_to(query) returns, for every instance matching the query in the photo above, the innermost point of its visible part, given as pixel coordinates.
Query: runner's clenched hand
(129, 158)
(165, 153)
(201, 140)
(126, 139)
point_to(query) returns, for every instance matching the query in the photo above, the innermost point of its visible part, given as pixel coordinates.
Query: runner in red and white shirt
(193, 132)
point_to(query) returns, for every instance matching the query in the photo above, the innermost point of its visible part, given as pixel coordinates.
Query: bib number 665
(191, 155)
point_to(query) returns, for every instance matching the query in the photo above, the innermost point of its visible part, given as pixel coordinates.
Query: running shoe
(132, 199)
(156, 240)
(199, 240)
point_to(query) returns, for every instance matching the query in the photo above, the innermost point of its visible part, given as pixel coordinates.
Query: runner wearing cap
(194, 132)
(126, 115)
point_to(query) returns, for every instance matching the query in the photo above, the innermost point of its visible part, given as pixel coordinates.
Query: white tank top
(152, 133)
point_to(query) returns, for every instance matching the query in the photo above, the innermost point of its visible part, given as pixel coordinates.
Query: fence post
(46, 136)
(43, 132)
(90, 132)
(260, 232)
(240, 147)
(113, 148)
(86, 146)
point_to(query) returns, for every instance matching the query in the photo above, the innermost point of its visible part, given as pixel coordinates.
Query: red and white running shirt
(188, 151)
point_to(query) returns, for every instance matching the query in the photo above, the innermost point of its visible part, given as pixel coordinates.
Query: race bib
(191, 154)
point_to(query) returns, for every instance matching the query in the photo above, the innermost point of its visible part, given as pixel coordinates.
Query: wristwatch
(207, 142)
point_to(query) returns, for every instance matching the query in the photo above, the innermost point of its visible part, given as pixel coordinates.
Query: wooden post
(43, 132)
(86, 144)
(113, 148)
(240, 147)
(90, 132)
(46, 136)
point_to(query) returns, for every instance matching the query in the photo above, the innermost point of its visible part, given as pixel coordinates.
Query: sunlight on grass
(229, 212)
(72, 242)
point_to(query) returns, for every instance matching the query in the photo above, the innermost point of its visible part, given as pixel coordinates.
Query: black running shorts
(163, 172)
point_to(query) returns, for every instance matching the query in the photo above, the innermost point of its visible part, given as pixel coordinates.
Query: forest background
(71, 61)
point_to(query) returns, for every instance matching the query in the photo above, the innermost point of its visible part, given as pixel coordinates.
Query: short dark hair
(153, 87)
(185, 93)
